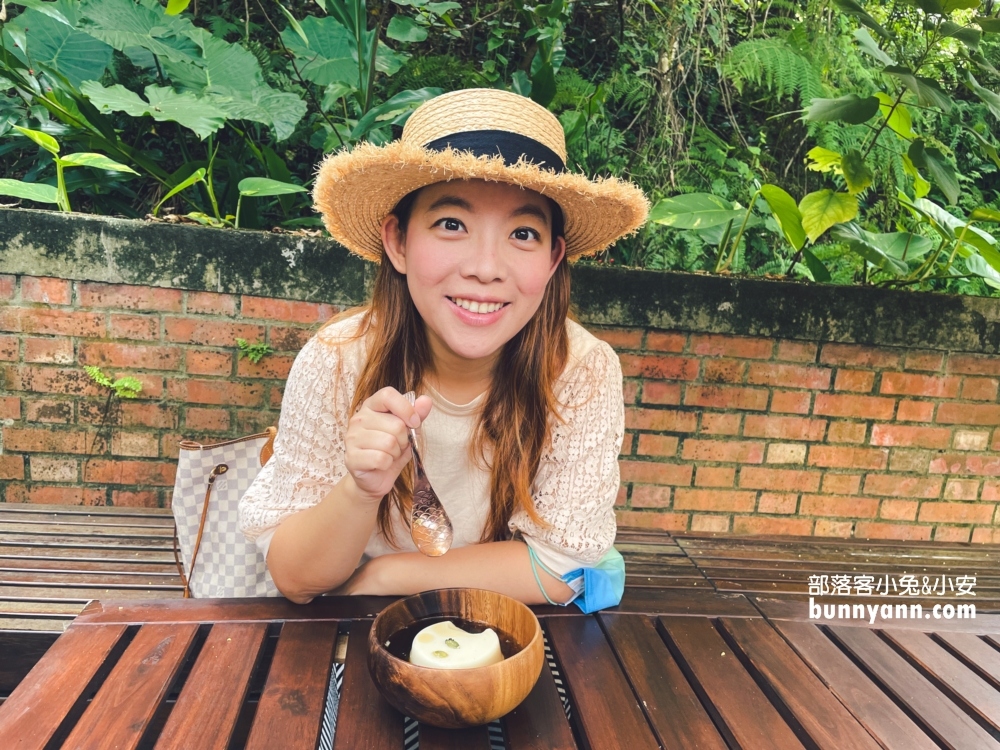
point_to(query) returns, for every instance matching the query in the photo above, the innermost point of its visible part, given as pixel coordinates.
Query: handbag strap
(265, 454)
(186, 579)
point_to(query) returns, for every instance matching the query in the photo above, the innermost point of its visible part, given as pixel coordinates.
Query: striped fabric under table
(411, 728)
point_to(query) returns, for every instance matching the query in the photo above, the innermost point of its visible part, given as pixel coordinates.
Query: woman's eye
(452, 225)
(525, 233)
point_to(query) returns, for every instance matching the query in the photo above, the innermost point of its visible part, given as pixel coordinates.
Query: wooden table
(711, 672)
(682, 663)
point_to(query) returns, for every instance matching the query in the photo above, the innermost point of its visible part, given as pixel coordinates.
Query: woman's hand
(377, 440)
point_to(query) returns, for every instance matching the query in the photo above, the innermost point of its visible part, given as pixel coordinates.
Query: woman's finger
(389, 400)
(378, 440)
(390, 424)
(366, 460)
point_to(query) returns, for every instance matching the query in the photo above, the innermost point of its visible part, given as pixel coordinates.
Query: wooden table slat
(673, 708)
(539, 723)
(226, 659)
(290, 711)
(124, 541)
(820, 714)
(132, 692)
(652, 601)
(232, 610)
(36, 708)
(741, 710)
(90, 510)
(952, 726)
(873, 708)
(966, 686)
(976, 652)
(86, 554)
(602, 699)
(364, 719)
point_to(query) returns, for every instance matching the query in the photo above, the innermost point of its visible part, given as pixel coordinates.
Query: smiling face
(477, 257)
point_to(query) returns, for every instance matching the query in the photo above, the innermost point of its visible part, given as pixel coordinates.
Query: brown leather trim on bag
(186, 580)
(268, 450)
(193, 445)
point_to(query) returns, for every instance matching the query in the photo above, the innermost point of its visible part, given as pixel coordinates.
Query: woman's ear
(393, 242)
(558, 252)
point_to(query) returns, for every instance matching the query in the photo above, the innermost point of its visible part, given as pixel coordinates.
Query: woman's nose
(486, 261)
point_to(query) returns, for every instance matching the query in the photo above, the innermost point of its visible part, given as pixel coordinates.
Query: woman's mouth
(477, 313)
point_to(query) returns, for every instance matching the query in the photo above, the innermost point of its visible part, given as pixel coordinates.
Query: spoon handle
(430, 527)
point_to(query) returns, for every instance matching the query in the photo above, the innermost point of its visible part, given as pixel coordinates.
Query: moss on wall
(76, 246)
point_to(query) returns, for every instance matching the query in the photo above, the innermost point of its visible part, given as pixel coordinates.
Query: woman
(472, 220)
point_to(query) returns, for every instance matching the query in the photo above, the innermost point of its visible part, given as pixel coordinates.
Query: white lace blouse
(574, 490)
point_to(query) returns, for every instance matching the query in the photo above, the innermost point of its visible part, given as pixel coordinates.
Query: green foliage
(786, 138)
(125, 387)
(254, 352)
(774, 65)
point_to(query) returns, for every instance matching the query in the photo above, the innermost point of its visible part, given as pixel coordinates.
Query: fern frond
(774, 65)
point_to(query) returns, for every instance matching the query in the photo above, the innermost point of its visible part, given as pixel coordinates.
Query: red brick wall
(723, 433)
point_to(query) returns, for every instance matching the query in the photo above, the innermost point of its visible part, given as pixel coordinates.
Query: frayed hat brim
(356, 190)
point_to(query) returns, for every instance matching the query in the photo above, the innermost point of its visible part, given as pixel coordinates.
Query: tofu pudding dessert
(446, 646)
(450, 643)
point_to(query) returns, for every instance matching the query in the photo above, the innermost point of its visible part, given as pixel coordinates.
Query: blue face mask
(603, 584)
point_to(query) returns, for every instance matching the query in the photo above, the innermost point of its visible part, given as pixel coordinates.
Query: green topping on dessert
(451, 643)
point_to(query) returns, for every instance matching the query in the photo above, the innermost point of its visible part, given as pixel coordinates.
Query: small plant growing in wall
(253, 352)
(121, 388)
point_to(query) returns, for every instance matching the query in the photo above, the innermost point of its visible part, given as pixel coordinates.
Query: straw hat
(483, 134)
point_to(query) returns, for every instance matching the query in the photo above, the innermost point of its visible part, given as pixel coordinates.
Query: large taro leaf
(695, 211)
(166, 105)
(951, 227)
(395, 110)
(943, 7)
(824, 208)
(897, 116)
(850, 109)
(928, 92)
(220, 64)
(871, 247)
(405, 29)
(786, 213)
(280, 110)
(967, 35)
(870, 47)
(978, 265)
(853, 8)
(78, 56)
(990, 98)
(123, 24)
(332, 54)
(934, 163)
(31, 191)
(230, 78)
(57, 11)
(856, 173)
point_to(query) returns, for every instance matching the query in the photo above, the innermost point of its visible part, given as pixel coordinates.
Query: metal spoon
(430, 527)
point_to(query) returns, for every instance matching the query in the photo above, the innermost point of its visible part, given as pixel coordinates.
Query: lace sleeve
(578, 477)
(309, 449)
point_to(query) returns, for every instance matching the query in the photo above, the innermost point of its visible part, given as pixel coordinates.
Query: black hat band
(510, 146)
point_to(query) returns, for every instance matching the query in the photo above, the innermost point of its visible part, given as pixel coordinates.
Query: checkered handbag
(215, 559)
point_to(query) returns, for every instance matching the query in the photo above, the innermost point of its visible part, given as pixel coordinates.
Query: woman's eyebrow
(451, 200)
(530, 209)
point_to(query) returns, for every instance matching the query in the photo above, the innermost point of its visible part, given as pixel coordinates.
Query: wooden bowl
(456, 698)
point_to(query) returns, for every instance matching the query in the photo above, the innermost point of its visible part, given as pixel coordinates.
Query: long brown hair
(513, 427)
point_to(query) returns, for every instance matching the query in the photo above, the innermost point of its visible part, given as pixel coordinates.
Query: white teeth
(477, 307)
